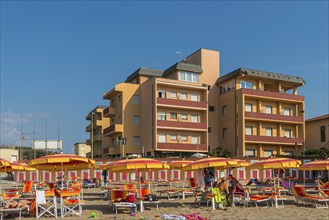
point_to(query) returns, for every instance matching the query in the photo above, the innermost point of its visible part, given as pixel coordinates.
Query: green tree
(219, 152)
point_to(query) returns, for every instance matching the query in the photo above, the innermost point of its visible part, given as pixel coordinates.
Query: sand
(95, 202)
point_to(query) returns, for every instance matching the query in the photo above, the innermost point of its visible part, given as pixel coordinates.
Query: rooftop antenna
(180, 55)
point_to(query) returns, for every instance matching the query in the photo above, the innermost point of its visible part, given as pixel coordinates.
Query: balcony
(274, 117)
(182, 103)
(272, 95)
(182, 147)
(180, 125)
(274, 140)
(88, 128)
(113, 129)
(88, 142)
(109, 111)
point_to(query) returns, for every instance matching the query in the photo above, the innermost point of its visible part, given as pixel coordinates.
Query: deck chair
(20, 211)
(325, 193)
(26, 191)
(45, 203)
(116, 198)
(299, 193)
(247, 198)
(193, 187)
(142, 193)
(70, 203)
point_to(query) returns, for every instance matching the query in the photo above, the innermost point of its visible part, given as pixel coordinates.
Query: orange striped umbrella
(240, 163)
(275, 163)
(178, 164)
(141, 164)
(60, 162)
(316, 165)
(216, 162)
(4, 163)
(13, 167)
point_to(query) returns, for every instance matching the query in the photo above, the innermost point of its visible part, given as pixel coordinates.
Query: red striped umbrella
(316, 165)
(275, 163)
(216, 162)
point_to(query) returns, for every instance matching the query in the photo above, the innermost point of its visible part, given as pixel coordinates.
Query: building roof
(145, 72)
(88, 117)
(183, 66)
(318, 118)
(262, 74)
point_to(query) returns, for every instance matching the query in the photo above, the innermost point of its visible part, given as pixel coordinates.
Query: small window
(183, 116)
(250, 153)
(162, 138)
(161, 116)
(173, 94)
(195, 140)
(287, 111)
(183, 137)
(173, 137)
(211, 108)
(194, 97)
(224, 110)
(248, 107)
(268, 153)
(136, 120)
(268, 109)
(194, 118)
(183, 95)
(162, 94)
(246, 85)
(136, 99)
(323, 133)
(136, 140)
(224, 135)
(173, 115)
(248, 130)
(287, 133)
(269, 132)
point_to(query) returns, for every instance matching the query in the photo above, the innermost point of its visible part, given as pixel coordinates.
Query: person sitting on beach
(14, 204)
(233, 186)
(223, 191)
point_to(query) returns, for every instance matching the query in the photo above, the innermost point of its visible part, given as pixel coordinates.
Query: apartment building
(81, 149)
(261, 113)
(317, 132)
(164, 113)
(97, 122)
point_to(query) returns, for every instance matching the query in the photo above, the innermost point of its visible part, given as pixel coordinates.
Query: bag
(151, 197)
(32, 208)
(129, 198)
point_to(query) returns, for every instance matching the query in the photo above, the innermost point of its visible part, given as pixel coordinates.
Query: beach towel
(219, 198)
(172, 217)
(40, 196)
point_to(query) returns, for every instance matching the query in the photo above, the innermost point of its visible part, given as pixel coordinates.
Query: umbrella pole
(62, 176)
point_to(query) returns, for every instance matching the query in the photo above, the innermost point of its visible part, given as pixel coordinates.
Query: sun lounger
(300, 194)
(4, 212)
(115, 203)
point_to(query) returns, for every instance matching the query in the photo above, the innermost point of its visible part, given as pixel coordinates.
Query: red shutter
(254, 174)
(85, 175)
(47, 176)
(241, 174)
(175, 174)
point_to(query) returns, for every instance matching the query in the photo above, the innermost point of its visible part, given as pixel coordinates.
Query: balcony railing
(115, 128)
(276, 95)
(179, 124)
(182, 147)
(274, 140)
(182, 103)
(109, 111)
(274, 117)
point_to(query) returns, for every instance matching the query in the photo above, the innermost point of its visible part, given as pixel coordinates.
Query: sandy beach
(95, 202)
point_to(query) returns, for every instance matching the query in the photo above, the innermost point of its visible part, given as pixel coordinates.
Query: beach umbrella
(3, 164)
(178, 165)
(62, 162)
(104, 166)
(14, 167)
(216, 162)
(316, 165)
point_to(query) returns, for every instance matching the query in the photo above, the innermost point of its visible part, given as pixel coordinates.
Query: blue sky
(59, 57)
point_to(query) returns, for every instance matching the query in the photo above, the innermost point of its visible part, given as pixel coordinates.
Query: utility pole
(92, 135)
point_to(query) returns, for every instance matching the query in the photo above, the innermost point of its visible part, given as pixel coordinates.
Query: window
(288, 153)
(246, 85)
(323, 133)
(136, 120)
(194, 97)
(136, 99)
(224, 110)
(268, 153)
(250, 153)
(224, 135)
(248, 130)
(209, 129)
(194, 118)
(211, 108)
(161, 116)
(162, 138)
(173, 94)
(195, 140)
(173, 137)
(287, 111)
(268, 109)
(162, 94)
(248, 107)
(183, 95)
(119, 98)
(183, 116)
(136, 140)
(183, 137)
(268, 132)
(287, 133)
(173, 115)
(189, 76)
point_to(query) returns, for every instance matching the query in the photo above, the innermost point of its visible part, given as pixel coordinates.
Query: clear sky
(59, 57)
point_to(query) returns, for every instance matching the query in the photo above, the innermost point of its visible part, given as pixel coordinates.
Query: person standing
(105, 173)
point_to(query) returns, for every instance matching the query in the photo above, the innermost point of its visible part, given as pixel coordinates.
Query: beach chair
(70, 202)
(325, 193)
(143, 195)
(20, 211)
(247, 198)
(46, 203)
(26, 191)
(117, 201)
(299, 193)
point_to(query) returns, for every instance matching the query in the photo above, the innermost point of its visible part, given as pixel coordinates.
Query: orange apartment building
(261, 113)
(317, 132)
(97, 141)
(189, 108)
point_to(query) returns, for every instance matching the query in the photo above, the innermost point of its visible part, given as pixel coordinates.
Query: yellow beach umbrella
(14, 167)
(216, 162)
(316, 165)
(141, 164)
(178, 164)
(276, 163)
(3, 164)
